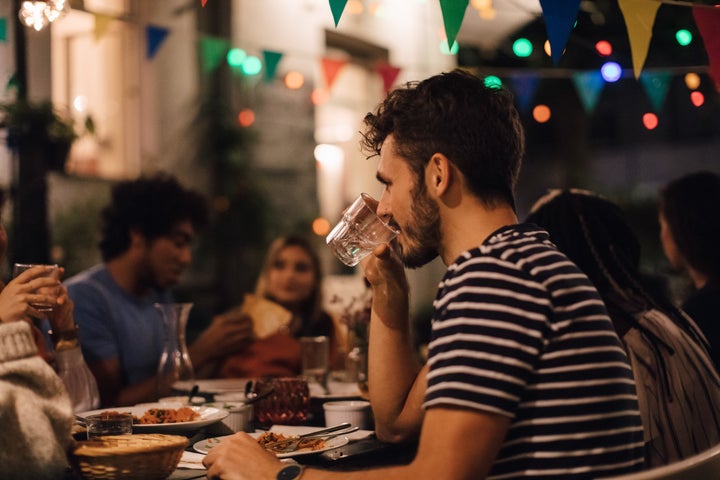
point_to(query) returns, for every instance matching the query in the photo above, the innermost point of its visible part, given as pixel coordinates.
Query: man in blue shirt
(147, 234)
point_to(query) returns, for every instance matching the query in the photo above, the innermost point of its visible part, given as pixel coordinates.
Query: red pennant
(707, 21)
(203, 3)
(388, 73)
(331, 68)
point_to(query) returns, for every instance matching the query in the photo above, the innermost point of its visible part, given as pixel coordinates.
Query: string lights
(38, 15)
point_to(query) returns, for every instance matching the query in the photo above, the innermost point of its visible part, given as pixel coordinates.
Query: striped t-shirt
(518, 330)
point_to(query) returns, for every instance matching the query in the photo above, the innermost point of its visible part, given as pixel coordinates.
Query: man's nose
(383, 209)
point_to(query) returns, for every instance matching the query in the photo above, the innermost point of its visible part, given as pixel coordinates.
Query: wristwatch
(290, 472)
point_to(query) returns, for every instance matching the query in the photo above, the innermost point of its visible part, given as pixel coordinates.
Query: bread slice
(267, 317)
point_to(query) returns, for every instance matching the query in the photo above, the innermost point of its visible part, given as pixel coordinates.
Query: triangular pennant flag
(331, 68)
(388, 73)
(656, 85)
(559, 18)
(102, 23)
(213, 50)
(155, 36)
(453, 12)
(203, 3)
(589, 85)
(524, 87)
(707, 21)
(3, 29)
(12, 82)
(639, 19)
(271, 62)
(337, 7)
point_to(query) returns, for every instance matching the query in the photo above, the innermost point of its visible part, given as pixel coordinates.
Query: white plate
(213, 385)
(204, 446)
(208, 416)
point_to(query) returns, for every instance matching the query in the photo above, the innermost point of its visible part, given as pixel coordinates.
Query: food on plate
(267, 317)
(154, 416)
(269, 438)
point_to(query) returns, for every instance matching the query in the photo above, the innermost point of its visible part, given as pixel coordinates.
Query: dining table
(362, 450)
(357, 450)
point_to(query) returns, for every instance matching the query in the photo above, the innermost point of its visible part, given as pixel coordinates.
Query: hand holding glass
(359, 231)
(52, 271)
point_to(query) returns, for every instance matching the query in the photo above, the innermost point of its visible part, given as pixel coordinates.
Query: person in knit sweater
(35, 410)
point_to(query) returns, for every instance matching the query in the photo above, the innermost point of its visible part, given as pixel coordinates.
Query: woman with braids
(677, 386)
(689, 230)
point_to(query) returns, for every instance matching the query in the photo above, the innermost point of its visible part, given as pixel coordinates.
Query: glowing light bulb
(683, 37)
(251, 66)
(692, 81)
(650, 120)
(294, 80)
(611, 72)
(235, 57)
(604, 48)
(491, 81)
(522, 47)
(697, 98)
(246, 117)
(541, 113)
(320, 226)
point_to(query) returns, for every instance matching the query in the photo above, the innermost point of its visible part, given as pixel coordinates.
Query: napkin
(191, 460)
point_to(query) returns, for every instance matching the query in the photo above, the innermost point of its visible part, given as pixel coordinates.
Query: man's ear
(438, 174)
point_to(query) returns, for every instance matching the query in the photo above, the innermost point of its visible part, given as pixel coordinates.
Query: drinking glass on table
(315, 359)
(52, 271)
(359, 231)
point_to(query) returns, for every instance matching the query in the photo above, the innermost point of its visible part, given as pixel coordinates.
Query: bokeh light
(319, 96)
(683, 37)
(604, 48)
(246, 117)
(697, 98)
(541, 113)
(491, 81)
(294, 80)
(650, 120)
(354, 7)
(692, 81)
(235, 57)
(320, 226)
(611, 72)
(547, 48)
(522, 47)
(251, 66)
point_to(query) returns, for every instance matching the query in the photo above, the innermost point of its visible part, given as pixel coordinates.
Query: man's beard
(422, 235)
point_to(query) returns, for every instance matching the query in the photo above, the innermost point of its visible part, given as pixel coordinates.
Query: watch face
(290, 472)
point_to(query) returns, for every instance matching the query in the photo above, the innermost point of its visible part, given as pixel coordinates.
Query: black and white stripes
(518, 330)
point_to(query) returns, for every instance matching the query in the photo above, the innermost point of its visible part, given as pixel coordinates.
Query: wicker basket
(140, 456)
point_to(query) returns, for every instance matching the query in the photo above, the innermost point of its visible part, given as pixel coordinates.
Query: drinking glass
(18, 268)
(359, 231)
(109, 423)
(315, 359)
(288, 404)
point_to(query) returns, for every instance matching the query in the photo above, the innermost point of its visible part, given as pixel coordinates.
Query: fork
(294, 443)
(334, 428)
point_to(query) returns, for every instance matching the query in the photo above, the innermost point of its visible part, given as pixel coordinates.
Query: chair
(703, 466)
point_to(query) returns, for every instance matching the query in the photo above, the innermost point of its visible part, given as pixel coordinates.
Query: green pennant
(453, 12)
(656, 85)
(271, 62)
(589, 85)
(213, 50)
(337, 7)
(3, 29)
(12, 82)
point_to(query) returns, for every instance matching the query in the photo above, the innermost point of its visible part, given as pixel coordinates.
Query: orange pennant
(331, 68)
(388, 73)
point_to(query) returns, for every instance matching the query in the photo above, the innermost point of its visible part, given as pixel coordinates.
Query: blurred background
(258, 104)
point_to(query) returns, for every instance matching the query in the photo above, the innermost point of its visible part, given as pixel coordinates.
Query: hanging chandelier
(39, 15)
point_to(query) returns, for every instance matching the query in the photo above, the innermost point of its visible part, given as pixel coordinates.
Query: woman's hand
(228, 333)
(31, 287)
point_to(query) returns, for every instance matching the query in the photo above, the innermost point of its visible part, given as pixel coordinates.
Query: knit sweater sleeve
(35, 412)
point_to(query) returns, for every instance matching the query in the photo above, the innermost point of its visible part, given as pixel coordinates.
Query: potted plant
(39, 125)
